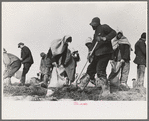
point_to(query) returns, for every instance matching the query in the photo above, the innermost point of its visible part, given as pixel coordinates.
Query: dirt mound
(72, 92)
(92, 93)
(37, 93)
(15, 90)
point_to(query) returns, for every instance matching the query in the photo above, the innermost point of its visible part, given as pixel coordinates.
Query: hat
(20, 44)
(120, 32)
(143, 35)
(95, 21)
(68, 38)
(88, 40)
(74, 50)
(4, 50)
(42, 54)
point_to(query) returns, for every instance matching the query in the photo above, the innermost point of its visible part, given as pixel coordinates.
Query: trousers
(124, 72)
(98, 65)
(140, 75)
(26, 67)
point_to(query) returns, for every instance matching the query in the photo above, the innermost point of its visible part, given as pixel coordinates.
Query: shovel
(86, 63)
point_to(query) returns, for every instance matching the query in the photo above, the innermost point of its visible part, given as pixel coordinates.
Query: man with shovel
(102, 53)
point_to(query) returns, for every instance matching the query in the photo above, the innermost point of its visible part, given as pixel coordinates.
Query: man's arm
(111, 33)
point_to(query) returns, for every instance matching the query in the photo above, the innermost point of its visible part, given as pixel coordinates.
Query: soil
(71, 93)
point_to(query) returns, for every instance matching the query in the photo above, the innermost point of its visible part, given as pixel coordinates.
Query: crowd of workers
(106, 46)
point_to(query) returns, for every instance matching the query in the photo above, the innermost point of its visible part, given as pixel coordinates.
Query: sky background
(36, 24)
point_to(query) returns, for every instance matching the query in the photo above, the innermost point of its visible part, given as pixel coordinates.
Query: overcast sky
(38, 23)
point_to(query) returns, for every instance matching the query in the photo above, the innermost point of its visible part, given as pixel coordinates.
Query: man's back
(26, 55)
(140, 51)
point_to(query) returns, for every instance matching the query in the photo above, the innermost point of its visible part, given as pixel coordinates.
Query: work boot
(99, 83)
(43, 85)
(21, 84)
(102, 83)
(22, 81)
(124, 87)
(7, 81)
(93, 81)
(67, 82)
(84, 80)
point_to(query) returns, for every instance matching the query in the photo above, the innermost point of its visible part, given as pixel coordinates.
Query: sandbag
(114, 76)
(56, 79)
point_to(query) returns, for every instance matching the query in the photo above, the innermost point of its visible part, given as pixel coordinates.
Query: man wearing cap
(27, 61)
(12, 65)
(102, 53)
(140, 59)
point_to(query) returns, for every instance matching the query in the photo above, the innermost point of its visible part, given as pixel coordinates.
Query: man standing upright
(27, 61)
(102, 53)
(140, 59)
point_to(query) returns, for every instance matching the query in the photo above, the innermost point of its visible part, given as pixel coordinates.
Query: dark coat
(43, 65)
(70, 66)
(49, 59)
(26, 55)
(140, 51)
(124, 50)
(103, 47)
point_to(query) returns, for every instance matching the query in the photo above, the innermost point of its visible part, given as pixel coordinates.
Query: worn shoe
(21, 84)
(44, 85)
(67, 82)
(124, 87)
(93, 81)
(101, 84)
(7, 81)
(84, 80)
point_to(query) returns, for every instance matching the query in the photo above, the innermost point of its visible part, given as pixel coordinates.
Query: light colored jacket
(8, 58)
(58, 46)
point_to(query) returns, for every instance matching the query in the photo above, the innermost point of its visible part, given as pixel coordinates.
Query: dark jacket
(26, 55)
(140, 51)
(43, 65)
(49, 59)
(103, 47)
(122, 52)
(70, 66)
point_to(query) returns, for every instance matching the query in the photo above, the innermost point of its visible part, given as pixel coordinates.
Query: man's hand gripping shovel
(78, 79)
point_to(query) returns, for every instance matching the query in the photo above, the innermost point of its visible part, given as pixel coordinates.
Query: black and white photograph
(74, 60)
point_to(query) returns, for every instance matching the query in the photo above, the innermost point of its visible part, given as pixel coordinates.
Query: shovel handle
(86, 63)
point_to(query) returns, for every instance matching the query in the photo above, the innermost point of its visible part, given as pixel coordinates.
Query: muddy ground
(37, 93)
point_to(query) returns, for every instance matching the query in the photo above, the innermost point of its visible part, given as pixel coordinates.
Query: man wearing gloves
(102, 53)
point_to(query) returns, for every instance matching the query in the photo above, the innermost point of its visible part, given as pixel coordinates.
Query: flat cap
(20, 44)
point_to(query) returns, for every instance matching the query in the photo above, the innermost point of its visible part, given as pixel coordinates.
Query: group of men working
(107, 45)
